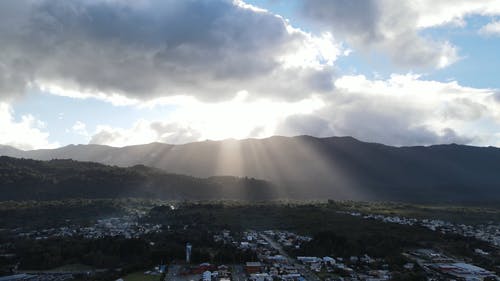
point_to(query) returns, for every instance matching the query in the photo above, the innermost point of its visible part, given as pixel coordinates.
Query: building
(260, 277)
(202, 267)
(309, 259)
(188, 252)
(253, 267)
(207, 276)
(465, 271)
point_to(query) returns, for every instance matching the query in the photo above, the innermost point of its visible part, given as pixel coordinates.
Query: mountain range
(306, 167)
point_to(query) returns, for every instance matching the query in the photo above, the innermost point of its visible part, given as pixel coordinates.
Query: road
(172, 273)
(238, 273)
(304, 271)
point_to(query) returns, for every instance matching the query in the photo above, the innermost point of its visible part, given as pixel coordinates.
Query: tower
(188, 252)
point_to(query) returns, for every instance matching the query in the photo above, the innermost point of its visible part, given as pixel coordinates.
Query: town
(274, 263)
(486, 232)
(188, 243)
(126, 226)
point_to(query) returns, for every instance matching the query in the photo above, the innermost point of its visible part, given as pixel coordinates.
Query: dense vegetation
(114, 252)
(24, 179)
(49, 214)
(335, 233)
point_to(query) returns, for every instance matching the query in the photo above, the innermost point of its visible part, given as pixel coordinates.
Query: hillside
(312, 168)
(23, 179)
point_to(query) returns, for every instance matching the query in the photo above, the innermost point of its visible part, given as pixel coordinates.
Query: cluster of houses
(335, 268)
(486, 232)
(126, 226)
(352, 268)
(209, 272)
(288, 239)
(271, 264)
(441, 267)
(275, 264)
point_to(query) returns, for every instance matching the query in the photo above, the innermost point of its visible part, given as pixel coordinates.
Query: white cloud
(26, 133)
(143, 131)
(69, 90)
(491, 29)
(80, 128)
(437, 13)
(193, 120)
(402, 110)
(140, 133)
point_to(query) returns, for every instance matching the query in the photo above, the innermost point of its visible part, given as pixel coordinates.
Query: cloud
(130, 51)
(142, 132)
(80, 128)
(192, 120)
(376, 125)
(175, 133)
(404, 109)
(394, 27)
(304, 125)
(452, 12)
(231, 70)
(26, 133)
(496, 97)
(401, 110)
(491, 29)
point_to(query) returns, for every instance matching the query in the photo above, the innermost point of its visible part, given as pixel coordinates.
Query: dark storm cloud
(146, 49)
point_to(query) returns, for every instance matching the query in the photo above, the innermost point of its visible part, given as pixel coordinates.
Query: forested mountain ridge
(26, 179)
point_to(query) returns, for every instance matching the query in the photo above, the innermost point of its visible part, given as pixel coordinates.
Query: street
(308, 275)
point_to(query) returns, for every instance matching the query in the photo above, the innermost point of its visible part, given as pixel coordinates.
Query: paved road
(308, 274)
(238, 273)
(173, 272)
(276, 246)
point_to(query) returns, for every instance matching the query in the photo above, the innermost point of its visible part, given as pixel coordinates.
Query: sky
(126, 72)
